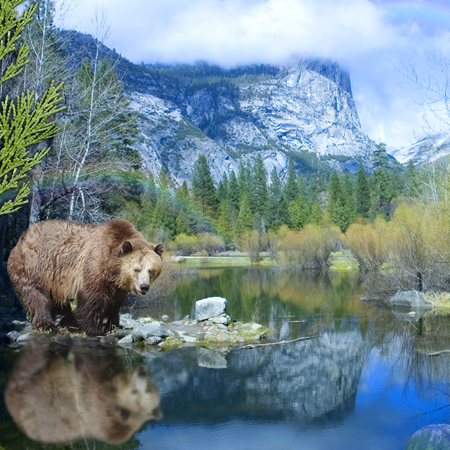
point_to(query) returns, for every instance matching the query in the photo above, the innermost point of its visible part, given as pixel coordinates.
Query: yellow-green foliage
(210, 243)
(418, 238)
(368, 244)
(308, 248)
(251, 243)
(415, 244)
(204, 243)
(184, 245)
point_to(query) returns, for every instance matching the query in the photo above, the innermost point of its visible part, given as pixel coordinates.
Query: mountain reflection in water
(367, 382)
(61, 394)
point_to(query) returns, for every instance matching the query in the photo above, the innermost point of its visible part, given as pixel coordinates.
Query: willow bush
(308, 248)
(368, 244)
(413, 249)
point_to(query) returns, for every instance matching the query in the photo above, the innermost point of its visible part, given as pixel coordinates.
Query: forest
(81, 166)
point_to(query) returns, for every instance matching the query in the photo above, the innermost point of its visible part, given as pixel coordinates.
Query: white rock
(210, 307)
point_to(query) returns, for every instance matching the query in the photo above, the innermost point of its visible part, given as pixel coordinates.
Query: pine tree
(222, 188)
(362, 193)
(277, 210)
(183, 192)
(412, 185)
(224, 224)
(315, 218)
(243, 180)
(245, 218)
(234, 194)
(259, 188)
(290, 190)
(163, 179)
(183, 225)
(203, 190)
(297, 213)
(335, 207)
(349, 207)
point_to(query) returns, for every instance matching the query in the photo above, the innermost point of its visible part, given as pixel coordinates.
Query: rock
(126, 340)
(93, 341)
(188, 339)
(127, 322)
(109, 341)
(221, 319)
(153, 340)
(177, 322)
(411, 299)
(64, 339)
(256, 327)
(13, 336)
(145, 330)
(241, 340)
(211, 359)
(209, 308)
(24, 338)
(431, 437)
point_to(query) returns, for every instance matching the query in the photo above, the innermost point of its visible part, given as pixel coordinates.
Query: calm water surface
(367, 382)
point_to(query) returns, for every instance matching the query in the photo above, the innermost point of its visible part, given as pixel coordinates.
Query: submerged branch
(252, 346)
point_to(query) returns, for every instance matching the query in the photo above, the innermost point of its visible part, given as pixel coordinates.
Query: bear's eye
(137, 270)
(151, 272)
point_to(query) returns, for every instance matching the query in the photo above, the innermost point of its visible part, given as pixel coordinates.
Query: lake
(367, 382)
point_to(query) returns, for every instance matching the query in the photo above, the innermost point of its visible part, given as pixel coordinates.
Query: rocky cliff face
(304, 110)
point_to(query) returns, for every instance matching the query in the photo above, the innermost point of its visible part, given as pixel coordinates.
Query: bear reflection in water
(65, 394)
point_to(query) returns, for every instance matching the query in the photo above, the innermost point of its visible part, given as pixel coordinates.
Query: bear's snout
(144, 288)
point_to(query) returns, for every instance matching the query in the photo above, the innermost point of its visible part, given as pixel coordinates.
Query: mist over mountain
(304, 110)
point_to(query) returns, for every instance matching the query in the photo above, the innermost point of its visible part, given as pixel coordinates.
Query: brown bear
(97, 265)
(61, 394)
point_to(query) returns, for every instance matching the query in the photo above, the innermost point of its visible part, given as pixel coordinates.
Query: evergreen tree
(234, 194)
(349, 207)
(290, 190)
(27, 121)
(224, 224)
(362, 193)
(380, 159)
(259, 188)
(412, 185)
(163, 179)
(298, 213)
(183, 192)
(183, 225)
(315, 218)
(243, 180)
(222, 188)
(335, 207)
(203, 190)
(245, 218)
(277, 210)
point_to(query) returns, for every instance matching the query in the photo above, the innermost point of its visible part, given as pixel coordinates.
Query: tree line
(251, 200)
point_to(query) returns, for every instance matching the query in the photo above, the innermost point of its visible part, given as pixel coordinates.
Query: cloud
(370, 38)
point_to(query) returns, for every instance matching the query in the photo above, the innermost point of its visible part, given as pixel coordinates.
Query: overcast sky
(372, 39)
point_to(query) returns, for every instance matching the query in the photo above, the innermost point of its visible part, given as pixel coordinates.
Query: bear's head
(141, 264)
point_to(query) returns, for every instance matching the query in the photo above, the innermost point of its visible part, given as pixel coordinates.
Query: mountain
(304, 110)
(429, 149)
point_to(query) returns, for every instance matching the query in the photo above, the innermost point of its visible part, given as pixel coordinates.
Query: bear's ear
(159, 249)
(127, 247)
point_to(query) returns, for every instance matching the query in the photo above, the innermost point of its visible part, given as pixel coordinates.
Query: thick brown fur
(66, 394)
(98, 265)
